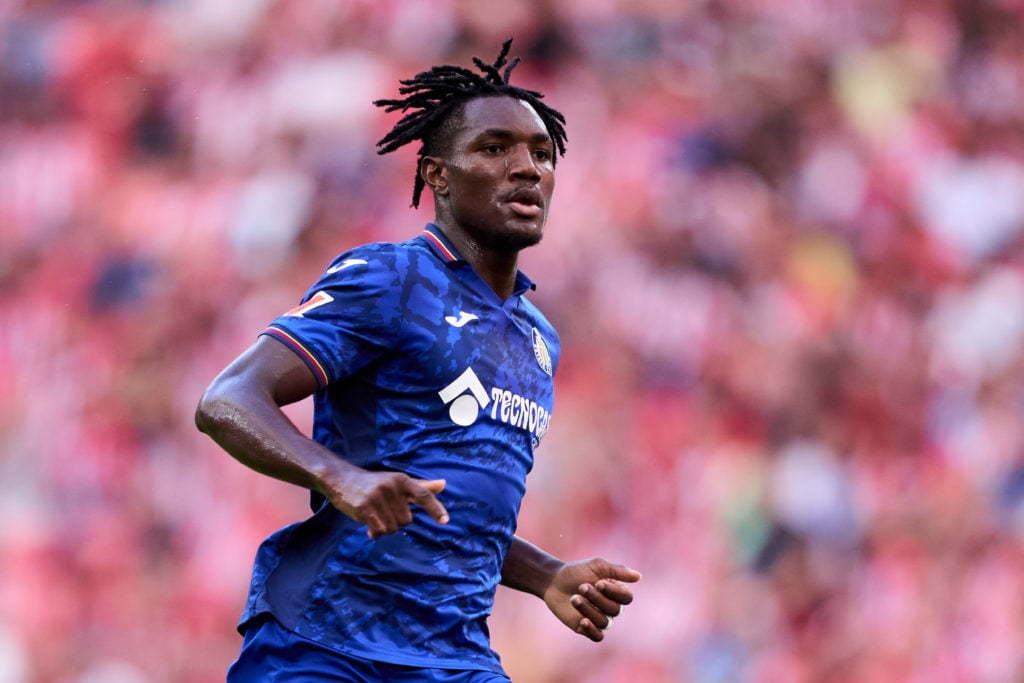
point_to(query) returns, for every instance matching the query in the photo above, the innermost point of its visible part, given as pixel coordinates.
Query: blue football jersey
(422, 369)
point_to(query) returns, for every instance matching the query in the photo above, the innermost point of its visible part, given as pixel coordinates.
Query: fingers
(608, 597)
(588, 625)
(620, 572)
(375, 526)
(598, 611)
(432, 485)
(424, 497)
(392, 509)
(600, 602)
(593, 627)
(387, 518)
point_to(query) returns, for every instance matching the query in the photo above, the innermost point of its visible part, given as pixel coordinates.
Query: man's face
(500, 174)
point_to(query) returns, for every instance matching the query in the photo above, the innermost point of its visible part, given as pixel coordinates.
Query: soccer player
(432, 381)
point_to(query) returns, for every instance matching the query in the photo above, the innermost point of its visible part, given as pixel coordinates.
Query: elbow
(204, 416)
(212, 411)
(227, 406)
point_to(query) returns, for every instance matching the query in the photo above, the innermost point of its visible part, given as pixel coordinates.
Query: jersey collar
(447, 252)
(441, 245)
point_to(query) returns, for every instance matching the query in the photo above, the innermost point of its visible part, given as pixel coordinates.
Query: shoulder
(371, 257)
(382, 263)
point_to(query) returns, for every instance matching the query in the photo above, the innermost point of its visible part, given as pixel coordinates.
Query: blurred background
(785, 257)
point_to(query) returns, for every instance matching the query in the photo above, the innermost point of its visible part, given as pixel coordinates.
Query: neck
(496, 268)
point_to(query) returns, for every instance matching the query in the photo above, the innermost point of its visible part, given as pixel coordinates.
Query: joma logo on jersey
(467, 396)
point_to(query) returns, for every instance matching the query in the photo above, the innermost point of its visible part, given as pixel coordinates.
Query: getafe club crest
(540, 350)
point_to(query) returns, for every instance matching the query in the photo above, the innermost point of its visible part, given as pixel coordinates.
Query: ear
(434, 172)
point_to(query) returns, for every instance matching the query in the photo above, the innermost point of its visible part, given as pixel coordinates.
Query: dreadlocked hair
(432, 96)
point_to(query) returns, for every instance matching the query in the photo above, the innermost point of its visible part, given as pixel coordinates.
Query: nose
(520, 163)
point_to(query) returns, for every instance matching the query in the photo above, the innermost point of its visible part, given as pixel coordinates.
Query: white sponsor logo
(346, 264)
(466, 397)
(520, 411)
(461, 320)
(464, 408)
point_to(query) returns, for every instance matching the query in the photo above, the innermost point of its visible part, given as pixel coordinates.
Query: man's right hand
(381, 500)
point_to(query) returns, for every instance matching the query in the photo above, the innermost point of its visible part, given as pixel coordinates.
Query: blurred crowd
(786, 258)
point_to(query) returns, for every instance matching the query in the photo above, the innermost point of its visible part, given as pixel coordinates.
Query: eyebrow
(506, 134)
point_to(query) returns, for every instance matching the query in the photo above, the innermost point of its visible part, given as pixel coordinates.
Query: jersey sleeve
(348, 319)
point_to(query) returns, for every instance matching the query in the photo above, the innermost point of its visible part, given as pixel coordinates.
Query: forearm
(529, 569)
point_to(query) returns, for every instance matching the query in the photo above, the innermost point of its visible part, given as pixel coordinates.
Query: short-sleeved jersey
(422, 369)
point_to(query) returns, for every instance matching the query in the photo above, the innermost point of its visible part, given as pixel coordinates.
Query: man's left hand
(588, 595)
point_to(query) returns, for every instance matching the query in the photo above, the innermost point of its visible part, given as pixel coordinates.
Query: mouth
(525, 202)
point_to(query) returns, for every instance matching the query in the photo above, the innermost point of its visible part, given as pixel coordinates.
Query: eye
(542, 154)
(493, 149)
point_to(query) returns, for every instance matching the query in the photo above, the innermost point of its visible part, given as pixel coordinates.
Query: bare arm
(241, 411)
(584, 595)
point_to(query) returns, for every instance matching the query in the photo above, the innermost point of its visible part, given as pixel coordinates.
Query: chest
(467, 356)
